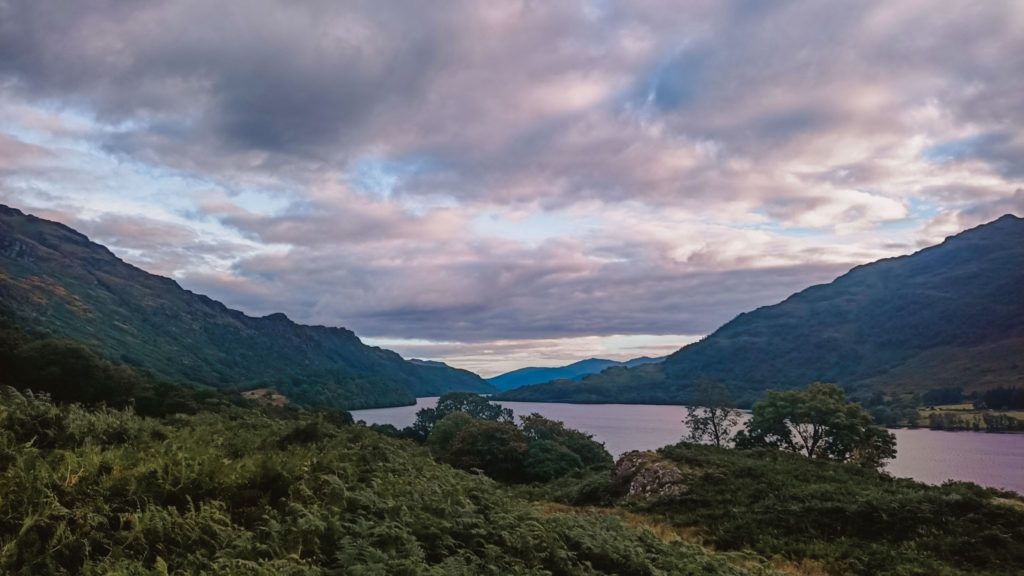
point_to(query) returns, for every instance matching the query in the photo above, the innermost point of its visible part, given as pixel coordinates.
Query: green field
(966, 414)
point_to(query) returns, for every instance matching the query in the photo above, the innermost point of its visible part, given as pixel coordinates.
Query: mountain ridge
(946, 315)
(541, 374)
(53, 277)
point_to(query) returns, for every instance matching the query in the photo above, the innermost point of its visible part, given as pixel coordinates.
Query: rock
(645, 474)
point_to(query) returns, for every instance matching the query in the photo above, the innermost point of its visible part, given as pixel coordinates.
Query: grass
(971, 416)
(822, 516)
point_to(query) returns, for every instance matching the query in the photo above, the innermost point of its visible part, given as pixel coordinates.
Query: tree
(474, 405)
(547, 460)
(714, 419)
(498, 449)
(445, 431)
(589, 451)
(819, 423)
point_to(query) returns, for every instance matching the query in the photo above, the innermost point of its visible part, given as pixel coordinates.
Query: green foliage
(69, 372)
(547, 460)
(589, 452)
(476, 435)
(819, 423)
(713, 419)
(1002, 423)
(473, 405)
(892, 410)
(950, 421)
(240, 491)
(853, 519)
(444, 432)
(498, 449)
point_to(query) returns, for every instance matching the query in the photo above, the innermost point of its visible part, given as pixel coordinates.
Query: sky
(507, 183)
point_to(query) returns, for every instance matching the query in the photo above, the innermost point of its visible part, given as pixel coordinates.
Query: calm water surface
(930, 456)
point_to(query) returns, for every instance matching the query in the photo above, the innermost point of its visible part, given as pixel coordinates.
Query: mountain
(575, 371)
(54, 279)
(948, 315)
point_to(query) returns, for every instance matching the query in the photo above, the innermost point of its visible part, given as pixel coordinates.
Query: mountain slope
(574, 371)
(54, 279)
(948, 315)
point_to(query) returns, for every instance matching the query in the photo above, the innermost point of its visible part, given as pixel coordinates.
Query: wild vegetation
(823, 517)
(231, 489)
(819, 423)
(70, 372)
(713, 420)
(803, 492)
(469, 432)
(241, 491)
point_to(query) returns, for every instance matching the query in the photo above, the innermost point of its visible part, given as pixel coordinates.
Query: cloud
(507, 170)
(15, 154)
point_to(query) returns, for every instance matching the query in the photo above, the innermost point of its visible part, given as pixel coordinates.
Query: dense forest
(948, 316)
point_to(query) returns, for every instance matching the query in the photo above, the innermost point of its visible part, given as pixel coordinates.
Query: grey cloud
(485, 292)
(313, 86)
(791, 113)
(158, 246)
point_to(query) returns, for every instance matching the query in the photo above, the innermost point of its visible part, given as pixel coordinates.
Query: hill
(55, 280)
(279, 492)
(574, 371)
(948, 315)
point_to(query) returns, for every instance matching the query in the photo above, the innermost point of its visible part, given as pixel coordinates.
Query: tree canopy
(468, 432)
(819, 423)
(713, 420)
(474, 405)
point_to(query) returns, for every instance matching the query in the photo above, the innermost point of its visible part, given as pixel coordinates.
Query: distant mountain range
(951, 315)
(574, 371)
(54, 279)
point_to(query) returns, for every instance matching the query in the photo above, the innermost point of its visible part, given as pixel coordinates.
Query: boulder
(645, 474)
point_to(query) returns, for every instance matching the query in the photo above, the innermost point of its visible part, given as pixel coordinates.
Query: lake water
(930, 456)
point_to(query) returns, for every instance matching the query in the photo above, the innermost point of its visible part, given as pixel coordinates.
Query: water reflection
(930, 456)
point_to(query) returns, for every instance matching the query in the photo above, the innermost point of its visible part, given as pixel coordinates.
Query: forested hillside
(951, 315)
(54, 280)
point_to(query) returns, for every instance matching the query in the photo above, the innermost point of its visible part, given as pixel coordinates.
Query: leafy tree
(540, 450)
(713, 420)
(1001, 423)
(548, 459)
(473, 405)
(70, 372)
(498, 449)
(819, 423)
(445, 431)
(590, 452)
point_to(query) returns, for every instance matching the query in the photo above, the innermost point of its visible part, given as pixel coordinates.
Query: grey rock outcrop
(645, 474)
